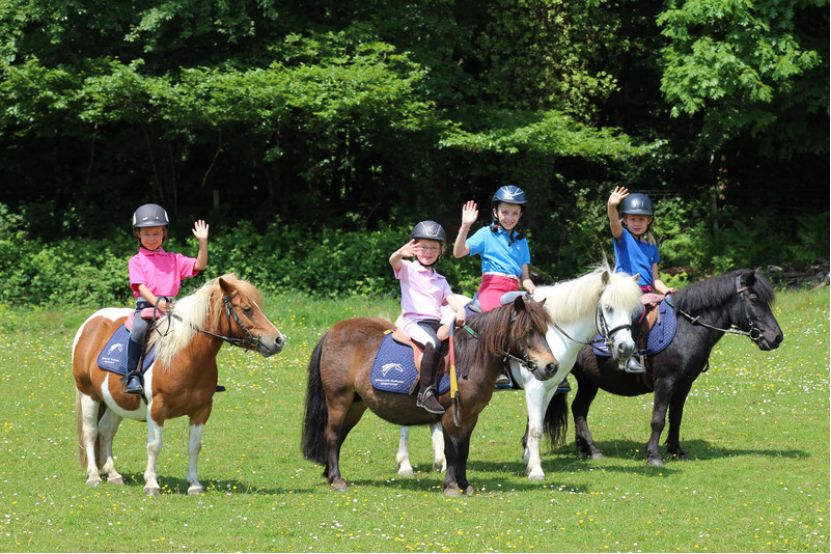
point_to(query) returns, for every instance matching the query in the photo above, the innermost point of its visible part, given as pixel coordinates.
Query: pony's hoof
(152, 491)
(339, 485)
(406, 471)
(196, 490)
(116, 480)
(656, 462)
(93, 482)
(534, 476)
(469, 490)
(440, 466)
(596, 456)
(452, 492)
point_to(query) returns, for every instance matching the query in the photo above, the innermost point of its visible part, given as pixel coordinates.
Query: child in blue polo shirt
(636, 251)
(501, 245)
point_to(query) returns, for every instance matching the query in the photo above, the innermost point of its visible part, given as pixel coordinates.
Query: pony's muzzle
(624, 349)
(268, 347)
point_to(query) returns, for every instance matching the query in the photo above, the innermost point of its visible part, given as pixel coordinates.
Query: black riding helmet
(430, 230)
(636, 204)
(150, 215)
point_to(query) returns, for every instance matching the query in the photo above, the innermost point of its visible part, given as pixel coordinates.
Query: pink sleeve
(186, 266)
(403, 272)
(136, 271)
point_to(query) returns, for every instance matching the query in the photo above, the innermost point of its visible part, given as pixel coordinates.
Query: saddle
(401, 337)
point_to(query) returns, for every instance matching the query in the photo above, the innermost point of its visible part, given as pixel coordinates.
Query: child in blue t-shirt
(636, 251)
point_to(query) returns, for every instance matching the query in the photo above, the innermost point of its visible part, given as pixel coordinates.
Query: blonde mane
(571, 301)
(191, 313)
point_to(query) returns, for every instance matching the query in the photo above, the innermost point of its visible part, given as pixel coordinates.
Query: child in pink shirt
(156, 276)
(423, 293)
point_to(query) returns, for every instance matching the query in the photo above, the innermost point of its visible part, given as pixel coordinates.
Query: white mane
(571, 301)
(190, 312)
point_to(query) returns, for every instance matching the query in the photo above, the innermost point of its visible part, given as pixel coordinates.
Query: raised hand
(470, 213)
(618, 195)
(200, 230)
(411, 249)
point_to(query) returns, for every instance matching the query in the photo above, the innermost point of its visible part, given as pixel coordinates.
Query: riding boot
(427, 396)
(634, 366)
(503, 380)
(133, 384)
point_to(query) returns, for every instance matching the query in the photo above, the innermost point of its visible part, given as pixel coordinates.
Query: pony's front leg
(537, 396)
(89, 436)
(107, 428)
(456, 450)
(402, 457)
(194, 447)
(676, 413)
(659, 413)
(154, 446)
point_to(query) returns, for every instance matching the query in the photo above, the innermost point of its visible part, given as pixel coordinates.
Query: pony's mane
(191, 313)
(571, 301)
(497, 331)
(717, 290)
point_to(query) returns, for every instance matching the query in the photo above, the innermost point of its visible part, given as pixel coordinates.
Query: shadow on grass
(174, 485)
(695, 450)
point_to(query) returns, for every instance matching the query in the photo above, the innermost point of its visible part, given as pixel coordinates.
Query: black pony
(736, 302)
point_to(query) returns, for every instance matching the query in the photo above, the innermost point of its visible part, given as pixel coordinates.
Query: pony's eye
(608, 309)
(247, 310)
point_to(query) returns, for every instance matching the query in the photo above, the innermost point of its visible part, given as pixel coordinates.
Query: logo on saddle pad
(115, 348)
(386, 368)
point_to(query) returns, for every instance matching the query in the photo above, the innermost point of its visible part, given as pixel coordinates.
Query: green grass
(756, 428)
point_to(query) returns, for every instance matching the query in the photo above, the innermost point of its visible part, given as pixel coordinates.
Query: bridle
(521, 360)
(248, 340)
(755, 333)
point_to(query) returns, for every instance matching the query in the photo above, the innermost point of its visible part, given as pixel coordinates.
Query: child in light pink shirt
(423, 293)
(155, 277)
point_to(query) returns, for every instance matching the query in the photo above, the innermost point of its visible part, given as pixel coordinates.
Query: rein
(754, 334)
(247, 340)
(602, 326)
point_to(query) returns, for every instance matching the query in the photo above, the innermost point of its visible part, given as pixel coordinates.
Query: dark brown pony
(339, 389)
(181, 381)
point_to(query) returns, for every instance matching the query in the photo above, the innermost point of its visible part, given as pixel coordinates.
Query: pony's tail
(555, 423)
(79, 428)
(313, 442)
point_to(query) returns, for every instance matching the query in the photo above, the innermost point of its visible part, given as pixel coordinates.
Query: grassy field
(756, 428)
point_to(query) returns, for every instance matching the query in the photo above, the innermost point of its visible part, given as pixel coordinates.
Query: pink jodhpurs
(492, 289)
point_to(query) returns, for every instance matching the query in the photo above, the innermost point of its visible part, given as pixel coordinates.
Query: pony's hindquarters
(316, 418)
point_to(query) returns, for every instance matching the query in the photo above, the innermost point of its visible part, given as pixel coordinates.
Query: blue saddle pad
(114, 356)
(658, 338)
(394, 369)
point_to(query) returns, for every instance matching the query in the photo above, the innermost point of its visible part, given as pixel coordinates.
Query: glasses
(430, 248)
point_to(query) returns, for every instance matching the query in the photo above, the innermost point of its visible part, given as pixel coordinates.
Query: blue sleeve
(526, 254)
(476, 242)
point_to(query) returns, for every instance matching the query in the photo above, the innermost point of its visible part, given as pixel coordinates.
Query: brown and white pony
(181, 381)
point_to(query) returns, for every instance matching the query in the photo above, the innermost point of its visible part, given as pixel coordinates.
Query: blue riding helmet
(150, 215)
(429, 230)
(636, 204)
(511, 194)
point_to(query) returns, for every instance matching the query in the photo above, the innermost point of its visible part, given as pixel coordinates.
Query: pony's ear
(224, 286)
(604, 277)
(542, 302)
(748, 277)
(636, 276)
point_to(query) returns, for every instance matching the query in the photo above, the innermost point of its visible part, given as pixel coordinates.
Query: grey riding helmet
(150, 215)
(636, 204)
(511, 194)
(429, 230)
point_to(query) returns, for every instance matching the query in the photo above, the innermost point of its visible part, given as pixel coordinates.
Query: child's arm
(527, 283)
(457, 307)
(200, 231)
(469, 215)
(659, 285)
(611, 209)
(407, 251)
(160, 303)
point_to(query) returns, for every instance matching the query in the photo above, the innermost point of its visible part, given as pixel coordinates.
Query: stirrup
(133, 384)
(423, 401)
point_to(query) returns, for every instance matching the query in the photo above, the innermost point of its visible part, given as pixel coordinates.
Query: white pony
(600, 302)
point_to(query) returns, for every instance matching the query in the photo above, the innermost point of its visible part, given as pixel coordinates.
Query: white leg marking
(89, 414)
(402, 457)
(154, 446)
(194, 446)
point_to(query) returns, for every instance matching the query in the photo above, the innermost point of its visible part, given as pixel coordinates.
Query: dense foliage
(317, 120)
